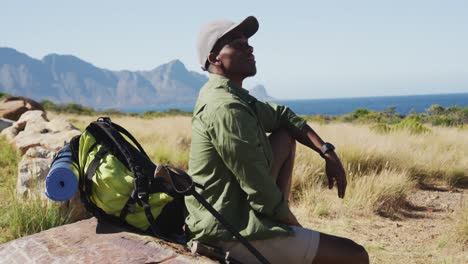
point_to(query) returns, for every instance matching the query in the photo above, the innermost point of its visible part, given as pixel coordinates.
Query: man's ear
(213, 58)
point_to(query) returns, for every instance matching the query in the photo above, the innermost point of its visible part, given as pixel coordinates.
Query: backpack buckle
(142, 196)
(104, 119)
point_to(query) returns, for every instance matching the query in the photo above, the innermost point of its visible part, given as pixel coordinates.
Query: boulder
(32, 171)
(34, 129)
(38, 139)
(91, 242)
(12, 107)
(32, 117)
(9, 133)
(4, 123)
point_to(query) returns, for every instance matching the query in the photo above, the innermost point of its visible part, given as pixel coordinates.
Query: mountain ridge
(69, 79)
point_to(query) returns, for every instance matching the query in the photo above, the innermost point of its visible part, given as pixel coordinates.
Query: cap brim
(248, 27)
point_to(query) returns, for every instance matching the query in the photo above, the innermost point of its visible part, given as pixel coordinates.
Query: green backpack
(119, 183)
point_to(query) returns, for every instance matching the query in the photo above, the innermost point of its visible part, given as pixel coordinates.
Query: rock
(33, 129)
(4, 123)
(46, 138)
(32, 171)
(89, 242)
(9, 133)
(12, 107)
(31, 117)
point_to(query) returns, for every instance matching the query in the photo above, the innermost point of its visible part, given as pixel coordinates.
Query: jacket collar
(231, 87)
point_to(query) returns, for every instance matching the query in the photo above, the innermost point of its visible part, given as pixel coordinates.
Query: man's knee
(356, 252)
(333, 249)
(360, 254)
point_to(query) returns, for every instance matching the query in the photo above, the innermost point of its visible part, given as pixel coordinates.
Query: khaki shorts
(298, 248)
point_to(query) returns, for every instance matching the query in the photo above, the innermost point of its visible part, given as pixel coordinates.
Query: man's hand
(335, 173)
(333, 167)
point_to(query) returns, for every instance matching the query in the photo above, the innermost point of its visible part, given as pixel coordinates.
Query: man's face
(236, 55)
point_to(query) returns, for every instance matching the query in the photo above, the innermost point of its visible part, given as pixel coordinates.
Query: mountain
(68, 79)
(260, 93)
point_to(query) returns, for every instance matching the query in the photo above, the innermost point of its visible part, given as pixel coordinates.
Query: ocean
(338, 106)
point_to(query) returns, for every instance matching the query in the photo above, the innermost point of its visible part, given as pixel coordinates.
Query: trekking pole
(229, 227)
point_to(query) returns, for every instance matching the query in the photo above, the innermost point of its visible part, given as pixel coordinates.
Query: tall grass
(21, 217)
(436, 156)
(367, 193)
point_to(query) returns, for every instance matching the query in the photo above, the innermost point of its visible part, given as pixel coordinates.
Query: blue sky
(304, 49)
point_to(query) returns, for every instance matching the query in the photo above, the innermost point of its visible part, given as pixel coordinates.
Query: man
(246, 174)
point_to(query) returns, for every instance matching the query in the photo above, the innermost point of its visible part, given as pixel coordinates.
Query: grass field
(393, 178)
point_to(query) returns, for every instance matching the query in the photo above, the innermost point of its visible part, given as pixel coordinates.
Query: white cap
(213, 31)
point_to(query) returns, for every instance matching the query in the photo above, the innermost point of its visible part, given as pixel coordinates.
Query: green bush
(381, 128)
(443, 120)
(2, 94)
(412, 123)
(170, 112)
(320, 119)
(451, 116)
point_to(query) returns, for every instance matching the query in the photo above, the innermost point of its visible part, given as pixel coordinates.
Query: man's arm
(272, 116)
(333, 167)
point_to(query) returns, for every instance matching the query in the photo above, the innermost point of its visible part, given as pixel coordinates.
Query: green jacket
(231, 157)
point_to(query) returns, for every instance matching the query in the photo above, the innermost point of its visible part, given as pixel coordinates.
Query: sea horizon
(403, 104)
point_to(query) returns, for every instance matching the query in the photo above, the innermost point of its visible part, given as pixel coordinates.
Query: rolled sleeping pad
(62, 179)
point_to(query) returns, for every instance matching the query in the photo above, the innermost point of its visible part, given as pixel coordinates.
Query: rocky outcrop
(91, 242)
(38, 139)
(32, 171)
(34, 129)
(12, 107)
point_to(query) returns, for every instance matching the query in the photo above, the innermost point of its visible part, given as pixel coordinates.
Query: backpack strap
(130, 136)
(183, 184)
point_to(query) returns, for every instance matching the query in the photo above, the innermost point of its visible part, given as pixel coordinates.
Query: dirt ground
(422, 232)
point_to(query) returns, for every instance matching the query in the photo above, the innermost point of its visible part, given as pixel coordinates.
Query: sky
(304, 49)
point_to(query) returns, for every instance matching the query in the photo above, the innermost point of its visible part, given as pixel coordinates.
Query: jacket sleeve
(234, 134)
(273, 116)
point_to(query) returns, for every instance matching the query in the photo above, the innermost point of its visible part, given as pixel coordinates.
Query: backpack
(119, 183)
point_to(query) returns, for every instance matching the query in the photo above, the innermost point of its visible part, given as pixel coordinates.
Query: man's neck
(236, 80)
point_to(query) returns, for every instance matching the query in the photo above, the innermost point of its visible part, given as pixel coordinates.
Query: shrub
(381, 128)
(71, 108)
(170, 112)
(2, 94)
(435, 110)
(443, 120)
(319, 119)
(412, 123)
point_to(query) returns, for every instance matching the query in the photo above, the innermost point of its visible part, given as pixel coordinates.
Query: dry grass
(440, 155)
(382, 170)
(21, 217)
(165, 139)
